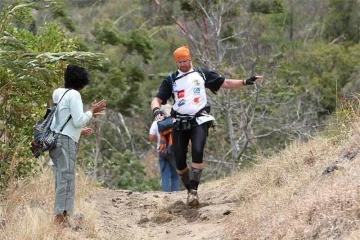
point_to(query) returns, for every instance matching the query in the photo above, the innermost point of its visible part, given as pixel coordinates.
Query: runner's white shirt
(189, 92)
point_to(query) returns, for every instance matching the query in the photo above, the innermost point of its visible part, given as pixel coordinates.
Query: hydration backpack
(44, 137)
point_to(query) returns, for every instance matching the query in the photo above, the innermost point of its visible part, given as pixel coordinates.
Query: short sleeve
(154, 128)
(165, 90)
(213, 80)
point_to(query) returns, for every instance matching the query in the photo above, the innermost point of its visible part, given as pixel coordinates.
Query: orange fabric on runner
(182, 53)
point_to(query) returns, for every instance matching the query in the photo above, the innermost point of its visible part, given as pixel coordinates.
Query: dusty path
(157, 215)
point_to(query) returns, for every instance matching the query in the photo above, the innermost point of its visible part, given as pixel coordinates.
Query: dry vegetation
(26, 212)
(308, 191)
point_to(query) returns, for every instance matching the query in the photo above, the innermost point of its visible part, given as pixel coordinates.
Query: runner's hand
(251, 80)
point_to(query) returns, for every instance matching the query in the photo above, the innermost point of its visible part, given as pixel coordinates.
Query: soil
(123, 214)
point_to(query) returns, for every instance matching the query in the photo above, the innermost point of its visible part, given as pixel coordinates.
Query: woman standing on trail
(70, 117)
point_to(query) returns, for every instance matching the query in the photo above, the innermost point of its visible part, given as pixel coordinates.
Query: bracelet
(244, 82)
(155, 108)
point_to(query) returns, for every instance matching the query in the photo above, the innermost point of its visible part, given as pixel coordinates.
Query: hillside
(308, 191)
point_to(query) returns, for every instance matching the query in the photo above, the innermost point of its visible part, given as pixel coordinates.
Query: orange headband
(182, 53)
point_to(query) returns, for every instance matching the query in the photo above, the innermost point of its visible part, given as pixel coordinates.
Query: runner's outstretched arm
(237, 83)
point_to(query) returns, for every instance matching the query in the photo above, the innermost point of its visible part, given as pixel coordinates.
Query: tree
(343, 20)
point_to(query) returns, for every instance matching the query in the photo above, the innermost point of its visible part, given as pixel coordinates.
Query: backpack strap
(200, 71)
(185, 75)
(56, 104)
(172, 78)
(63, 126)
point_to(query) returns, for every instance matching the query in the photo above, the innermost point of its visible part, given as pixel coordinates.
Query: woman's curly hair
(76, 77)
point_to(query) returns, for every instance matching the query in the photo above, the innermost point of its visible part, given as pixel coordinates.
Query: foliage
(266, 7)
(120, 76)
(125, 171)
(131, 173)
(325, 68)
(343, 20)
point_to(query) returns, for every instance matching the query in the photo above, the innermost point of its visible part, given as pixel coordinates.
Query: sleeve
(213, 80)
(77, 110)
(153, 128)
(165, 90)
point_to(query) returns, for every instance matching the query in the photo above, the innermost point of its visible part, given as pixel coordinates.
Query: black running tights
(180, 142)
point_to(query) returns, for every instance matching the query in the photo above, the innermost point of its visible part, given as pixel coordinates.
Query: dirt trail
(126, 215)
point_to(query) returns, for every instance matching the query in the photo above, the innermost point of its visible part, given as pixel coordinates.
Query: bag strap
(62, 97)
(200, 71)
(63, 126)
(184, 75)
(173, 78)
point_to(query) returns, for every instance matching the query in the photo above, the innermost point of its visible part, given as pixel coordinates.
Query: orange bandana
(182, 53)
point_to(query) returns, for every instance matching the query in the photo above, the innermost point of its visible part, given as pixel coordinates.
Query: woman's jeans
(169, 176)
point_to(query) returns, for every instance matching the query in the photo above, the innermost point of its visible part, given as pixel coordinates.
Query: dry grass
(288, 197)
(27, 211)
